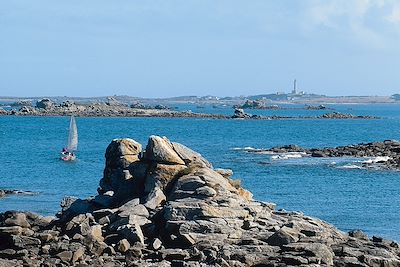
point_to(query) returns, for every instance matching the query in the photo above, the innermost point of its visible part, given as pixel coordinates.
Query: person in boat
(65, 151)
(67, 155)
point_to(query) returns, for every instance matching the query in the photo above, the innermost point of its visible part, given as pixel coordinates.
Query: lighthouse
(294, 91)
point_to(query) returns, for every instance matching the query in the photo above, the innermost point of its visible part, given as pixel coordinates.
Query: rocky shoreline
(167, 206)
(386, 153)
(46, 107)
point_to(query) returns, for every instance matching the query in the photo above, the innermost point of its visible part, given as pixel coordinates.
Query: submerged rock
(167, 206)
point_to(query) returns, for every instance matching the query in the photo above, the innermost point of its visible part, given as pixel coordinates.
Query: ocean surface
(335, 190)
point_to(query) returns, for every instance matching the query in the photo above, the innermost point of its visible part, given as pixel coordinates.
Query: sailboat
(67, 153)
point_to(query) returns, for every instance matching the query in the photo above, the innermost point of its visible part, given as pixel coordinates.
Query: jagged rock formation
(167, 206)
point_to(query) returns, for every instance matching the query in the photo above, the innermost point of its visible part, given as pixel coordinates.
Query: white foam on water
(250, 149)
(247, 148)
(289, 155)
(376, 160)
(350, 166)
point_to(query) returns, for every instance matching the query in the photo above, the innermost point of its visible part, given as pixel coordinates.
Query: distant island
(129, 106)
(114, 108)
(272, 99)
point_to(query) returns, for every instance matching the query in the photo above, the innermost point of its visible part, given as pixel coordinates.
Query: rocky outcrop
(386, 154)
(111, 108)
(239, 113)
(21, 103)
(256, 104)
(45, 104)
(167, 206)
(319, 107)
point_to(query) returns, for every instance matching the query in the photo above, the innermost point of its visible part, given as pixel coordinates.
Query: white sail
(73, 135)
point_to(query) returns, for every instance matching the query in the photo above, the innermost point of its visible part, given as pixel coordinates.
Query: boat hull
(68, 158)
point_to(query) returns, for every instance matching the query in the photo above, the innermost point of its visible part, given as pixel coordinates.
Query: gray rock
(160, 150)
(65, 256)
(7, 263)
(283, 236)
(156, 244)
(123, 245)
(17, 219)
(78, 254)
(11, 230)
(188, 155)
(121, 153)
(154, 199)
(24, 241)
(174, 254)
(358, 234)
(45, 103)
(206, 191)
(127, 209)
(322, 253)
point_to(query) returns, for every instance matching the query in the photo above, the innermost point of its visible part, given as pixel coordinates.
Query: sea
(337, 190)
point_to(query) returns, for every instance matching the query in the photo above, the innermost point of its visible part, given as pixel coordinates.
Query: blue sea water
(348, 198)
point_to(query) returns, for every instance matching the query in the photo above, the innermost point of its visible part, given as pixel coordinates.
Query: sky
(163, 48)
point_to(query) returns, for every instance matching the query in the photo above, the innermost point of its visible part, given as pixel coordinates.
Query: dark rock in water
(5, 192)
(159, 106)
(256, 104)
(169, 207)
(318, 154)
(45, 104)
(319, 107)
(338, 115)
(240, 114)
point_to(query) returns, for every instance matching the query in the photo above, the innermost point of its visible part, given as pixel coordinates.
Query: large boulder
(120, 153)
(124, 174)
(160, 149)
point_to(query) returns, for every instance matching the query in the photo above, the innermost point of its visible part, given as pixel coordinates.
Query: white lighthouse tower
(294, 91)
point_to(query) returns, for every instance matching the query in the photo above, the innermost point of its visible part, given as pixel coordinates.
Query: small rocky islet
(167, 206)
(113, 108)
(385, 154)
(8, 192)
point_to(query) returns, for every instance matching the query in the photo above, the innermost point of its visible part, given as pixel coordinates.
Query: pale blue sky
(187, 47)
